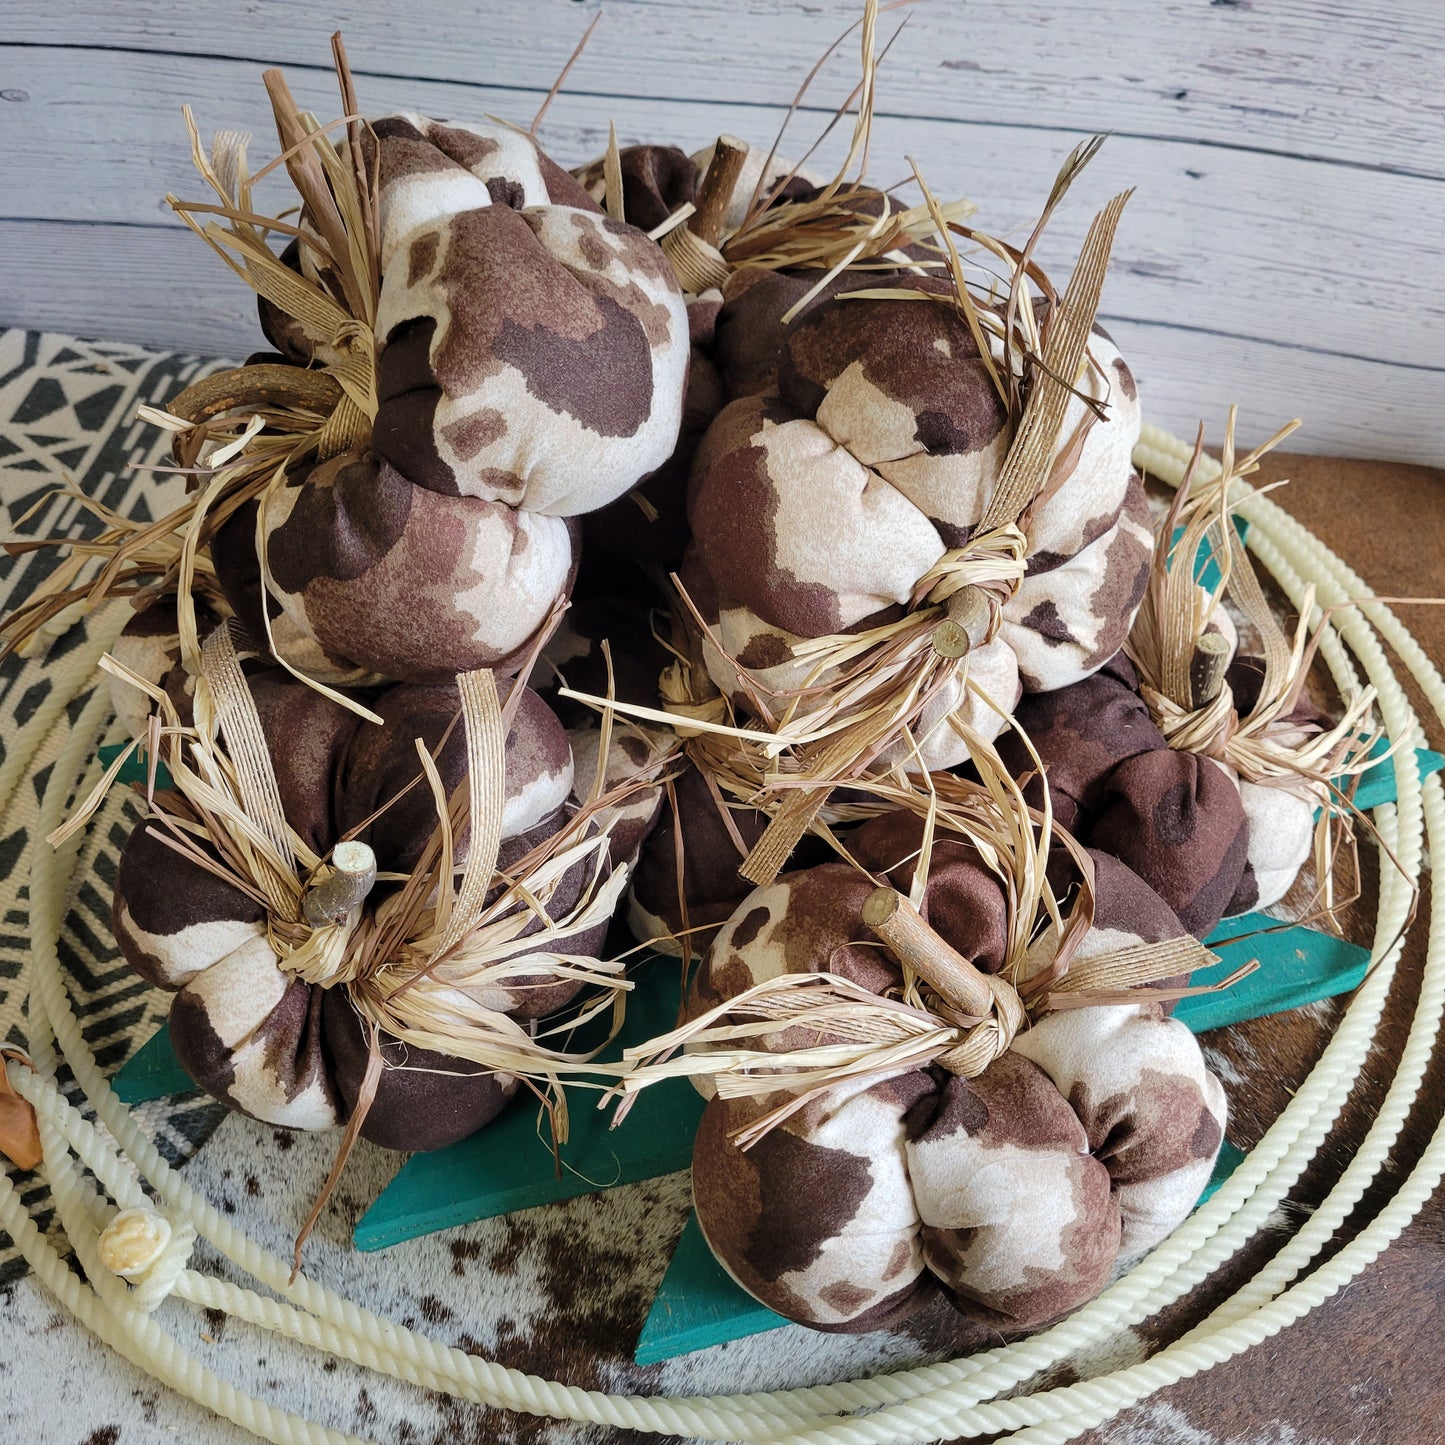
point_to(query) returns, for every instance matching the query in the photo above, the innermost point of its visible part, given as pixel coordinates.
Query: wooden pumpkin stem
(1206, 669)
(262, 385)
(352, 877)
(912, 942)
(716, 190)
(966, 624)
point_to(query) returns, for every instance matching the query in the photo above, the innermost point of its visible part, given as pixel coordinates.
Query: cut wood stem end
(352, 877)
(966, 623)
(716, 189)
(912, 942)
(1207, 669)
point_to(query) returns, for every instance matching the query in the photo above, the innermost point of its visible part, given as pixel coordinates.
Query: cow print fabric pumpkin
(817, 506)
(1209, 842)
(293, 1053)
(1015, 1193)
(531, 361)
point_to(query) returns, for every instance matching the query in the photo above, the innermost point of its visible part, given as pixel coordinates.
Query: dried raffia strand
(222, 685)
(612, 176)
(795, 814)
(1031, 453)
(486, 738)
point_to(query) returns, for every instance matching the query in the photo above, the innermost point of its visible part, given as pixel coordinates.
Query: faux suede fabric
(1015, 1192)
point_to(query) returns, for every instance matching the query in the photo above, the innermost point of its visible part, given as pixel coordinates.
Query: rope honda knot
(142, 1246)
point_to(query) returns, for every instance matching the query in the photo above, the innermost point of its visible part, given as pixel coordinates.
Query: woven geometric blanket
(68, 412)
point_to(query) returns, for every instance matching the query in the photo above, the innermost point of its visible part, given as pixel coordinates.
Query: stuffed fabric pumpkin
(648, 526)
(289, 1052)
(1210, 843)
(1015, 1192)
(531, 358)
(885, 427)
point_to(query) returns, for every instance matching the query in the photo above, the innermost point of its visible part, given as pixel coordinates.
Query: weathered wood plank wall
(1285, 248)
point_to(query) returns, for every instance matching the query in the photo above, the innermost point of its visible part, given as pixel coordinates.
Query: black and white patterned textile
(68, 414)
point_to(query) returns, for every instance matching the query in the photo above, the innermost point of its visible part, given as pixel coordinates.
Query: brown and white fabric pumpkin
(1016, 1192)
(531, 354)
(647, 528)
(291, 1052)
(1281, 813)
(817, 508)
(1210, 843)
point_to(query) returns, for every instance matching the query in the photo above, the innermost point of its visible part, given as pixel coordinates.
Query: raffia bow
(1181, 658)
(425, 964)
(966, 1020)
(798, 1036)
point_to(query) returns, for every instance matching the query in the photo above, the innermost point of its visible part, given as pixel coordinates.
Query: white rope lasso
(945, 1399)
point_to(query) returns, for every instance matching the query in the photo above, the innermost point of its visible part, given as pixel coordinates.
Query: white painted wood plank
(1352, 80)
(124, 283)
(1235, 242)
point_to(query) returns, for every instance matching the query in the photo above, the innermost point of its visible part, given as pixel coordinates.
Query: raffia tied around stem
(871, 1037)
(1168, 645)
(864, 693)
(239, 433)
(1264, 746)
(990, 999)
(799, 1035)
(424, 964)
